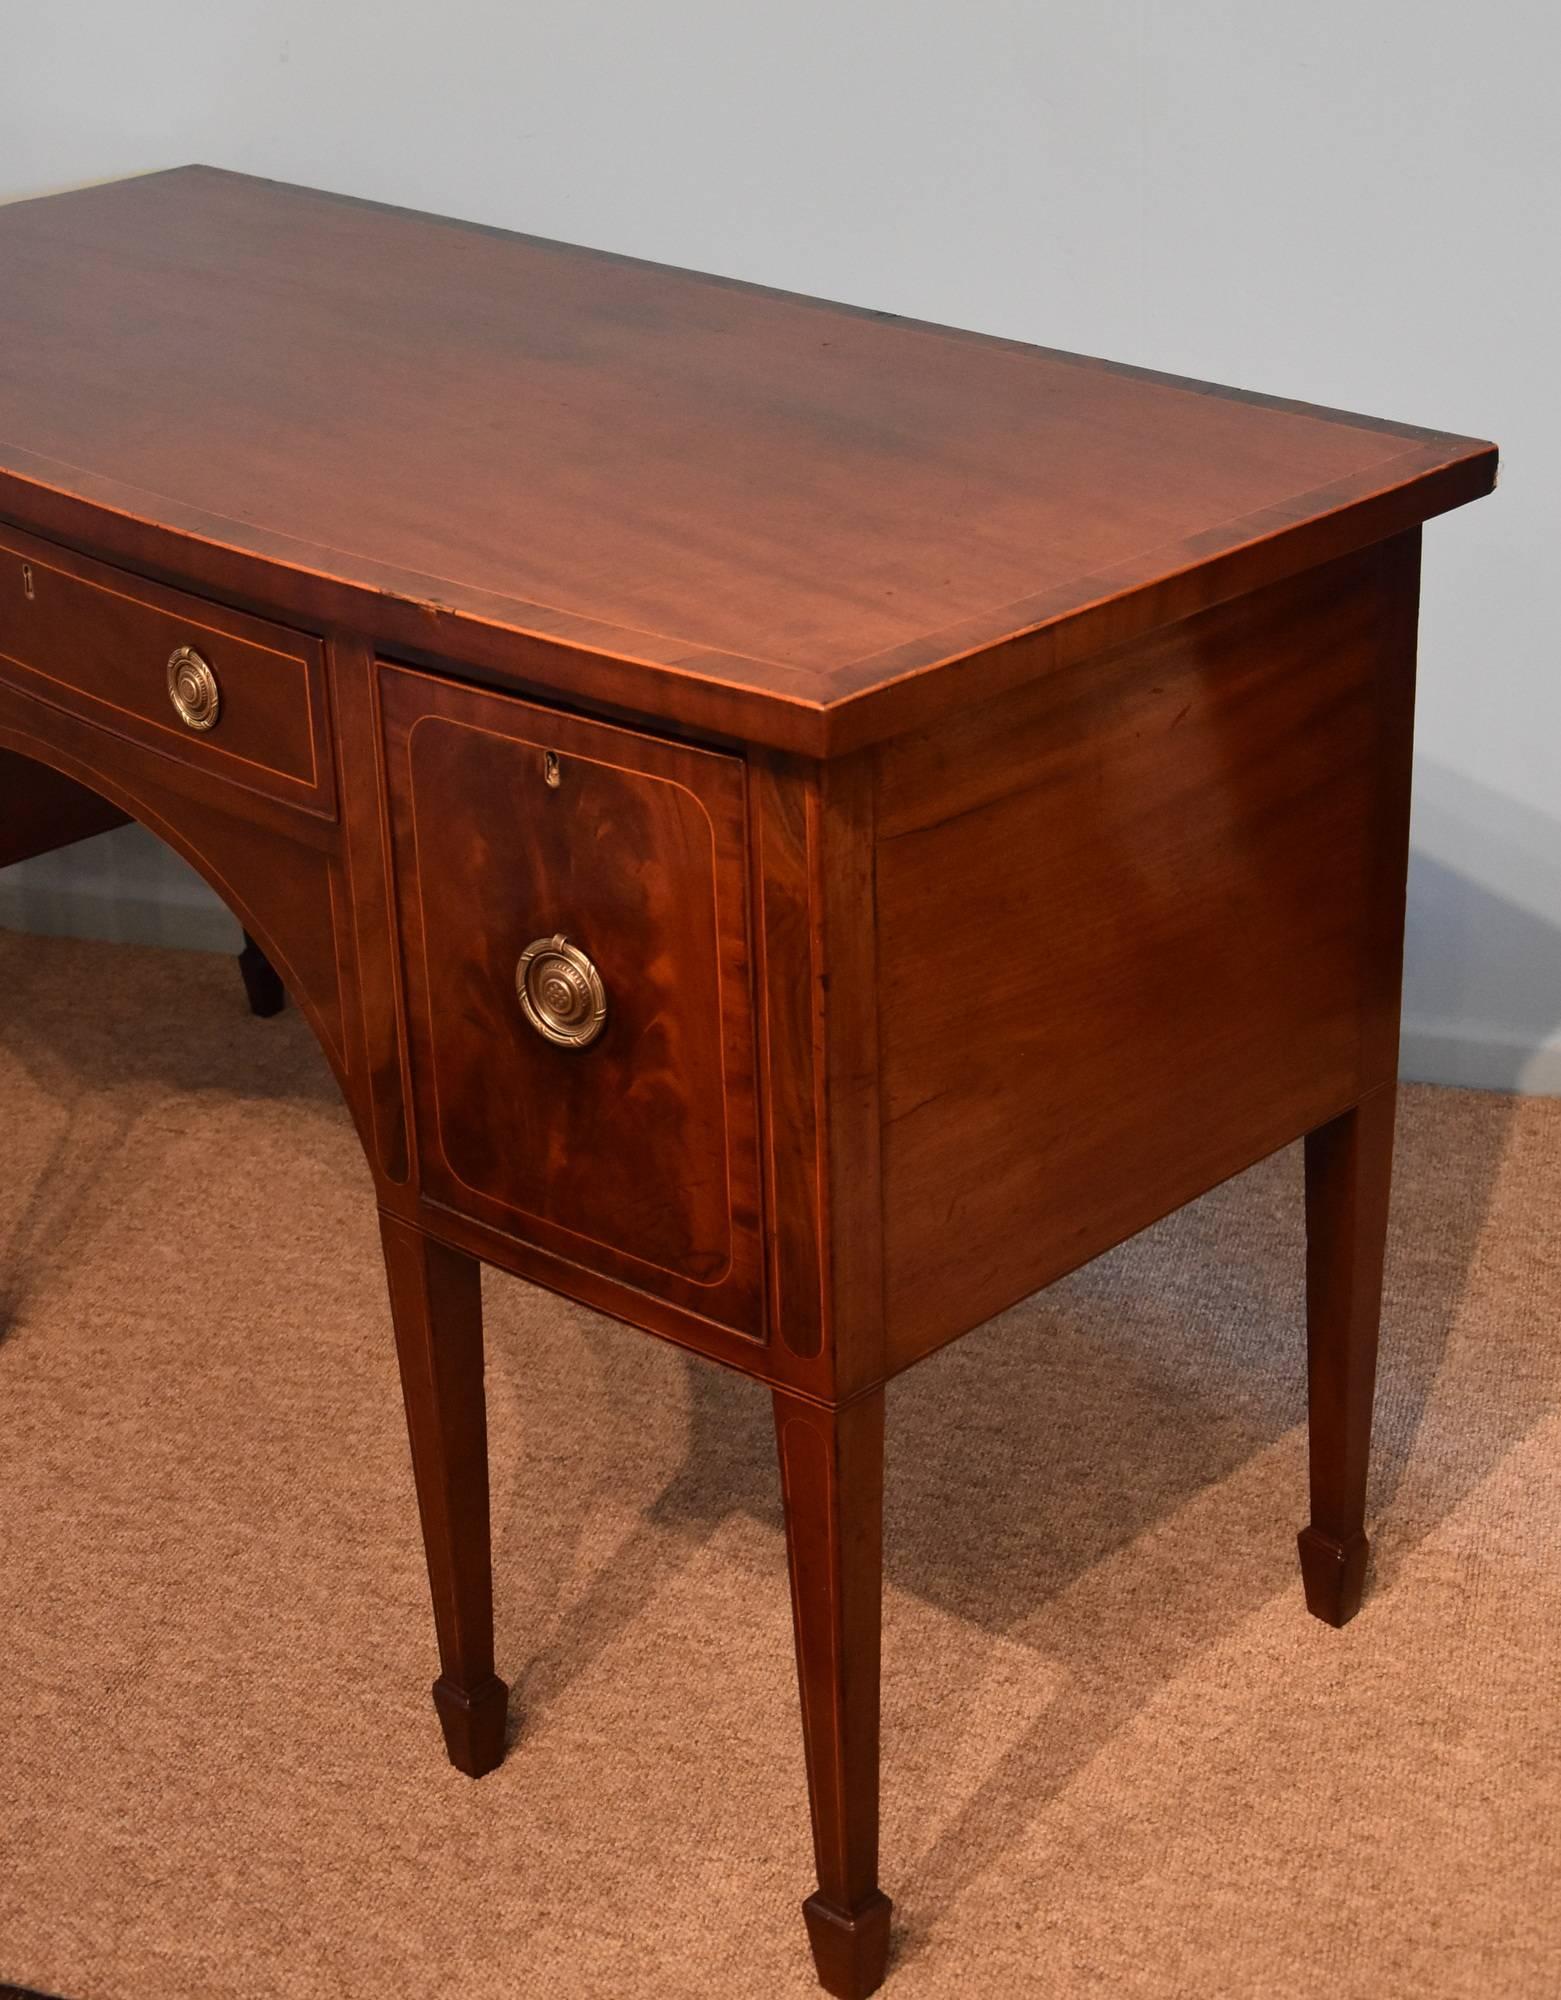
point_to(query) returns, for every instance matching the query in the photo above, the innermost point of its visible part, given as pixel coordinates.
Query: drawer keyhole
(551, 775)
(27, 581)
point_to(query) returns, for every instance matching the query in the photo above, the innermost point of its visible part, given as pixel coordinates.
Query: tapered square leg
(473, 1722)
(263, 987)
(1348, 1172)
(832, 1480)
(436, 1304)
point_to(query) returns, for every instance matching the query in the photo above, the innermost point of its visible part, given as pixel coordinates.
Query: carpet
(1119, 1758)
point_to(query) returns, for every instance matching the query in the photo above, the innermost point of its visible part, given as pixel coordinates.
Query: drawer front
(116, 650)
(595, 1099)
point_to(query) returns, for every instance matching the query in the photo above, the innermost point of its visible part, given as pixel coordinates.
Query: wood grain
(817, 936)
(365, 931)
(1349, 1169)
(96, 641)
(639, 1153)
(766, 515)
(1133, 935)
(832, 1485)
(436, 1306)
(980, 774)
(790, 990)
(42, 809)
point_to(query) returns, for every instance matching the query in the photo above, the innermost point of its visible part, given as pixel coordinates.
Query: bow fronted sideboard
(792, 826)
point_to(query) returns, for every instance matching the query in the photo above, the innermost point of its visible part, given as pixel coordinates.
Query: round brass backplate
(193, 690)
(561, 992)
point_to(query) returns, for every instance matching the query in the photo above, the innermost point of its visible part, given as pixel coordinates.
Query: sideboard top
(737, 509)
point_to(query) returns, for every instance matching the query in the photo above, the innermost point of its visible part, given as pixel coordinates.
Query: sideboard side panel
(1140, 924)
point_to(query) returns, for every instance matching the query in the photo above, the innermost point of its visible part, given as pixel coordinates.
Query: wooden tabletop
(744, 510)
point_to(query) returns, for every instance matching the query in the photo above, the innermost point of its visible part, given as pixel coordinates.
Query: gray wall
(1356, 203)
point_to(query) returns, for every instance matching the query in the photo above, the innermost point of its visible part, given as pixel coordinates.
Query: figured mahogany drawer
(596, 1099)
(117, 651)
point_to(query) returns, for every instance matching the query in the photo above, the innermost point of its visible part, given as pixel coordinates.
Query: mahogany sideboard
(792, 826)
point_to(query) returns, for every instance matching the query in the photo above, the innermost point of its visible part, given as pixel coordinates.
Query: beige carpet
(1119, 1758)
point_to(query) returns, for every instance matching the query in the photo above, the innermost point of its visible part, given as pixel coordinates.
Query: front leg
(1349, 1165)
(831, 1464)
(436, 1303)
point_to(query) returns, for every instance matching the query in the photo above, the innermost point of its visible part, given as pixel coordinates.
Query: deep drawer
(596, 1098)
(206, 685)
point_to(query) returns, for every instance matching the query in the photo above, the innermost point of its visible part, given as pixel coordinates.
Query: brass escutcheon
(193, 690)
(561, 992)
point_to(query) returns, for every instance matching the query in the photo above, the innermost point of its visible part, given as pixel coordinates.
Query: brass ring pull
(561, 992)
(193, 689)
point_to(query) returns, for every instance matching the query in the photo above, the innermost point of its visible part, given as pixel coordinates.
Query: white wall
(1355, 201)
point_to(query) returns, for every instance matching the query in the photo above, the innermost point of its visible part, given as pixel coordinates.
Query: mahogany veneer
(792, 826)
